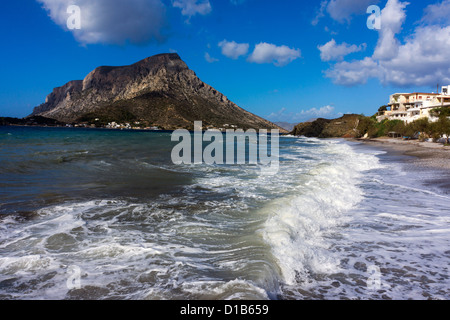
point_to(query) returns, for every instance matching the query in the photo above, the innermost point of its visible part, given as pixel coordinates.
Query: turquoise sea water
(110, 210)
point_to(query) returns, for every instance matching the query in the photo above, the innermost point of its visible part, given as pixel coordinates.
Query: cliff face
(59, 96)
(160, 90)
(344, 127)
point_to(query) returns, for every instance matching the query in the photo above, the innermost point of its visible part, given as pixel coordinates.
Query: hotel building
(410, 107)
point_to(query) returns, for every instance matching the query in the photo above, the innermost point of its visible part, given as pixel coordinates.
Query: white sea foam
(17, 265)
(379, 216)
(299, 225)
(219, 290)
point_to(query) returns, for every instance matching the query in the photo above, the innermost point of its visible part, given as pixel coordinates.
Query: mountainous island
(158, 92)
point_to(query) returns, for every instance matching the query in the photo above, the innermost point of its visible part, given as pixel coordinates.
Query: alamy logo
(374, 280)
(74, 280)
(374, 20)
(74, 20)
(235, 147)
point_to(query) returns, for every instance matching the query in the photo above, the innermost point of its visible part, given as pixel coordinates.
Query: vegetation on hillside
(101, 118)
(325, 128)
(422, 129)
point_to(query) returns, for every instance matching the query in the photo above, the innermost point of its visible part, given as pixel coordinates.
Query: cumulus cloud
(112, 21)
(355, 72)
(317, 113)
(421, 60)
(233, 50)
(392, 18)
(270, 53)
(191, 8)
(331, 51)
(262, 53)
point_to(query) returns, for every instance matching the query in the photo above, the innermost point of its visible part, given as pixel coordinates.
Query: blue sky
(282, 60)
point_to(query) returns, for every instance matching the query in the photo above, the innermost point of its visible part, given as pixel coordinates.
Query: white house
(410, 107)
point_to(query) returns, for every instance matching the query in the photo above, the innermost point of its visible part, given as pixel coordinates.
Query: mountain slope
(160, 90)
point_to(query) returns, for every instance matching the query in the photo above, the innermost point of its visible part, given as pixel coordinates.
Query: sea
(91, 214)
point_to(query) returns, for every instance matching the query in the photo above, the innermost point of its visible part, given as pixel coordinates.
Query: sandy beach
(424, 154)
(422, 157)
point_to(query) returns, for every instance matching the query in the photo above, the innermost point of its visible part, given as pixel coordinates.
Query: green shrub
(374, 129)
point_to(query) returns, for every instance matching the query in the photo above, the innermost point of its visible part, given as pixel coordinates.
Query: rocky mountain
(286, 125)
(158, 91)
(344, 127)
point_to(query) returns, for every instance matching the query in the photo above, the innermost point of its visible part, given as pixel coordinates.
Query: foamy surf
(299, 226)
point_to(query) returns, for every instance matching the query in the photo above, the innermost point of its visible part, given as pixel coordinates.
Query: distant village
(137, 125)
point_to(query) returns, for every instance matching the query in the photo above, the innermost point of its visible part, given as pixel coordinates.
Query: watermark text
(234, 147)
(74, 20)
(374, 20)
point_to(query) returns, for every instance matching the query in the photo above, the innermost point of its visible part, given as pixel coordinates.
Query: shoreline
(422, 154)
(430, 162)
(127, 130)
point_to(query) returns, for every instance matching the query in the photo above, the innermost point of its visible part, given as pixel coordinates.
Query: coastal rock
(158, 91)
(31, 121)
(311, 129)
(344, 127)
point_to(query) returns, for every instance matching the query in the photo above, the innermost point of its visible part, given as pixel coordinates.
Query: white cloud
(263, 52)
(331, 51)
(191, 8)
(320, 13)
(233, 50)
(437, 13)
(112, 21)
(210, 59)
(317, 113)
(342, 10)
(421, 60)
(304, 115)
(353, 73)
(270, 53)
(392, 18)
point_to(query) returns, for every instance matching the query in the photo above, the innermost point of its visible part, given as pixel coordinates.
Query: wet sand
(425, 154)
(430, 160)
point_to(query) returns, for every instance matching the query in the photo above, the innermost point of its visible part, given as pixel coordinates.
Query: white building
(410, 107)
